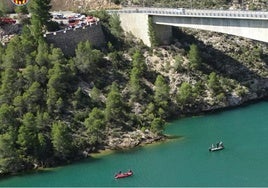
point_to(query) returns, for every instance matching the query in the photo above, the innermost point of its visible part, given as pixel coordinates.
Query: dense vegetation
(54, 109)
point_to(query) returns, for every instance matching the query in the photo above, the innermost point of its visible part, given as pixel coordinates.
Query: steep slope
(102, 4)
(81, 4)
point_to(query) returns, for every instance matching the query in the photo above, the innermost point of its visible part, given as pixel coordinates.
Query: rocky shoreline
(132, 139)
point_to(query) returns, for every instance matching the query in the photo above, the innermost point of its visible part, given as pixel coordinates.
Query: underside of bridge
(138, 25)
(248, 28)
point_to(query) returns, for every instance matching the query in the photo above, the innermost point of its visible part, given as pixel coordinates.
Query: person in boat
(118, 173)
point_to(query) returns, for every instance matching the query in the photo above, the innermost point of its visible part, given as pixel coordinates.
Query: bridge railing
(195, 12)
(227, 13)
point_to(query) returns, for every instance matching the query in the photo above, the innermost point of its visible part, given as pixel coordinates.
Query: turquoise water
(181, 162)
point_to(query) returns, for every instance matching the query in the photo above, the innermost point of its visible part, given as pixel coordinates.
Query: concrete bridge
(248, 24)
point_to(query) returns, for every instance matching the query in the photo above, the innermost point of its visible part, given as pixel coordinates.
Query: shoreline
(97, 154)
(106, 150)
(166, 138)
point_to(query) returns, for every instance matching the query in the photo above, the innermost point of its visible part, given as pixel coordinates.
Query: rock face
(132, 139)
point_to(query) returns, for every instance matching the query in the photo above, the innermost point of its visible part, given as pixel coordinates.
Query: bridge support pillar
(138, 25)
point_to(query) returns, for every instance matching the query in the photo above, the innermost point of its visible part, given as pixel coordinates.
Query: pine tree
(8, 91)
(95, 95)
(157, 125)
(42, 57)
(95, 125)
(61, 140)
(135, 85)
(194, 57)
(214, 84)
(161, 94)
(115, 25)
(138, 70)
(15, 56)
(45, 150)
(116, 59)
(2, 52)
(87, 58)
(27, 137)
(33, 97)
(139, 62)
(184, 95)
(20, 105)
(152, 33)
(9, 158)
(28, 41)
(21, 10)
(149, 113)
(57, 85)
(7, 119)
(114, 106)
(40, 16)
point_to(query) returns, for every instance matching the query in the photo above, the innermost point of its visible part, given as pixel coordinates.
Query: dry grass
(82, 5)
(73, 5)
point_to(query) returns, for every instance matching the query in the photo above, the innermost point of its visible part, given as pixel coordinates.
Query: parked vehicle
(7, 20)
(73, 23)
(90, 19)
(58, 16)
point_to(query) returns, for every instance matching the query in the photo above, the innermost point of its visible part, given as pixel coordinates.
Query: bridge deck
(196, 13)
(249, 24)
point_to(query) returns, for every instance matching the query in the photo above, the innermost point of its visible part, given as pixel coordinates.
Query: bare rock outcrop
(131, 139)
(81, 5)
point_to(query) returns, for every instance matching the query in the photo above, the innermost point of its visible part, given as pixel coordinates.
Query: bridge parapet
(63, 31)
(228, 14)
(194, 12)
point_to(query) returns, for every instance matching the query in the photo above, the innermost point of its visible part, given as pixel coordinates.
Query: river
(185, 161)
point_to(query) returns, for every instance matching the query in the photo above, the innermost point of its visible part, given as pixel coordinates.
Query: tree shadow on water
(48, 170)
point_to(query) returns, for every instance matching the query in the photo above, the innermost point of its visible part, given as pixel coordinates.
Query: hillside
(85, 5)
(212, 4)
(82, 5)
